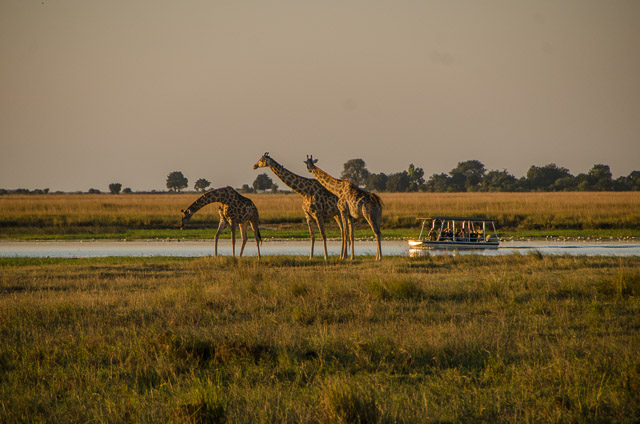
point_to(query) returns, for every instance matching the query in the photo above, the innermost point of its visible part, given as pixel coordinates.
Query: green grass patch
(286, 339)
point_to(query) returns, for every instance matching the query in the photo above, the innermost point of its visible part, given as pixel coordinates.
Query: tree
(201, 184)
(355, 171)
(600, 178)
(633, 180)
(115, 188)
(499, 181)
(176, 181)
(127, 190)
(630, 182)
(416, 178)
(439, 183)
(582, 182)
(565, 184)
(262, 182)
(376, 182)
(467, 176)
(542, 178)
(600, 171)
(246, 189)
(398, 182)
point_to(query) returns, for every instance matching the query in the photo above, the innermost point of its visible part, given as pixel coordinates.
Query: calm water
(85, 249)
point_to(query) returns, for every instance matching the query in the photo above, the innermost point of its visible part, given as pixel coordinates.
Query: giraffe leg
(221, 226)
(341, 226)
(348, 235)
(233, 237)
(243, 234)
(311, 234)
(345, 218)
(345, 236)
(256, 233)
(377, 222)
(351, 235)
(374, 223)
(320, 223)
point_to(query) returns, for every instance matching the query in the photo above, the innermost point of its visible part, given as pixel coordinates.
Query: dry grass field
(572, 210)
(158, 215)
(410, 340)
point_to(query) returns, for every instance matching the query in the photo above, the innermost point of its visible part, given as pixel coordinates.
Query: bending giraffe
(318, 203)
(236, 210)
(352, 202)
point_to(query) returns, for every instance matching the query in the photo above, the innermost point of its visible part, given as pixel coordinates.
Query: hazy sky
(95, 92)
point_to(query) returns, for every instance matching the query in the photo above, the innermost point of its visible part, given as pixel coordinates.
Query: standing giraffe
(236, 210)
(352, 202)
(318, 203)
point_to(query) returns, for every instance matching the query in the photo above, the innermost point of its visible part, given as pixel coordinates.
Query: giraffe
(318, 203)
(352, 202)
(236, 210)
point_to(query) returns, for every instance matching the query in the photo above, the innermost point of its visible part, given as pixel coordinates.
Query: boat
(447, 232)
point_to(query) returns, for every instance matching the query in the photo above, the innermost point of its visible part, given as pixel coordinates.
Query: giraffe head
(310, 163)
(186, 214)
(264, 162)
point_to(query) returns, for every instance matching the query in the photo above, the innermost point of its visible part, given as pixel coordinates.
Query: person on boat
(447, 234)
(432, 234)
(460, 235)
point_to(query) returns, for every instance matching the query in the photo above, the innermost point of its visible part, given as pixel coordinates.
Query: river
(87, 249)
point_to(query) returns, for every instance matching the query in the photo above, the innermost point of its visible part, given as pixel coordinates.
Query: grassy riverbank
(435, 339)
(149, 216)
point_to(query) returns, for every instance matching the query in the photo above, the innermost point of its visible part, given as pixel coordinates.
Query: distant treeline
(90, 191)
(25, 191)
(472, 175)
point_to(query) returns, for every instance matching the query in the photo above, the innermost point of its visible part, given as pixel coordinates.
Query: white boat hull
(429, 244)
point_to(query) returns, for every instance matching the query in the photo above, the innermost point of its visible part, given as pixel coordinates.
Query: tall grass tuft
(397, 288)
(624, 283)
(205, 404)
(349, 401)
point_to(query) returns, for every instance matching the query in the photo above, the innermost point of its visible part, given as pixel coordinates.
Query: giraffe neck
(216, 195)
(294, 181)
(334, 185)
